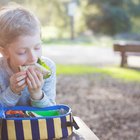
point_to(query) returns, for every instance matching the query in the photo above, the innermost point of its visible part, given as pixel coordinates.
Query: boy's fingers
(32, 79)
(20, 78)
(29, 83)
(20, 73)
(33, 72)
(39, 75)
(19, 88)
(23, 86)
(39, 80)
(21, 82)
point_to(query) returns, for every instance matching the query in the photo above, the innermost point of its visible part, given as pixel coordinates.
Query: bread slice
(24, 68)
(46, 72)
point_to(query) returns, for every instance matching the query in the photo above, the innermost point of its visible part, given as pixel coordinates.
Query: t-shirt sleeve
(8, 98)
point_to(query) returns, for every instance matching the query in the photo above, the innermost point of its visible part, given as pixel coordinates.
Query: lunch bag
(58, 123)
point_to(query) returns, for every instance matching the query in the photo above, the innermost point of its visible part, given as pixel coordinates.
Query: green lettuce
(43, 64)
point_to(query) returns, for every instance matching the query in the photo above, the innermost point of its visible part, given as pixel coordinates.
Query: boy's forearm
(44, 102)
(8, 98)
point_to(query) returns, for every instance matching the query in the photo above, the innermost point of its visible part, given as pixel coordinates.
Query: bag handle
(73, 123)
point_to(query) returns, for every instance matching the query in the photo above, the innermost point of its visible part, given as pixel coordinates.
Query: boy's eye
(21, 53)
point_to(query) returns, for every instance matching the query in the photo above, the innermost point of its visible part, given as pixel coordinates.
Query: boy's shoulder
(1, 63)
(3, 71)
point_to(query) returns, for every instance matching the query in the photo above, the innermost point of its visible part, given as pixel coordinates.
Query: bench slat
(126, 48)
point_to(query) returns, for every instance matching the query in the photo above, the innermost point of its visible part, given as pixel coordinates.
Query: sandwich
(41, 66)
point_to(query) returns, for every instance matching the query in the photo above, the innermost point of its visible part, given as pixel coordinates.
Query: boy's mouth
(40, 65)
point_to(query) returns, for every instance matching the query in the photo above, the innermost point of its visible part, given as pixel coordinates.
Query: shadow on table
(74, 136)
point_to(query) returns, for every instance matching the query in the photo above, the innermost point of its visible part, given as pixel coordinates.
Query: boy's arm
(8, 98)
(48, 90)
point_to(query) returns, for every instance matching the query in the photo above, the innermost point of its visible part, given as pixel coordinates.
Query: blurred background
(85, 20)
(79, 36)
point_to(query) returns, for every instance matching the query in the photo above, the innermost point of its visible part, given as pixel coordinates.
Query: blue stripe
(19, 130)
(64, 129)
(35, 130)
(50, 128)
(4, 134)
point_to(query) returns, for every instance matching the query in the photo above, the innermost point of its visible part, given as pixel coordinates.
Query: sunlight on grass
(76, 69)
(115, 72)
(123, 73)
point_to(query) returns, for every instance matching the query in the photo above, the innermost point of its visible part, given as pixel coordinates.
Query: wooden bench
(126, 49)
(83, 133)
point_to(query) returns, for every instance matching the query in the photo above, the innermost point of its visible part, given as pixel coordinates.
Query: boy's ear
(3, 52)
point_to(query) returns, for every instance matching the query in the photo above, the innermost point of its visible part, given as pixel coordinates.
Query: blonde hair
(16, 21)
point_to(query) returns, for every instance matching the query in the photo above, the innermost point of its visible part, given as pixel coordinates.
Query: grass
(115, 72)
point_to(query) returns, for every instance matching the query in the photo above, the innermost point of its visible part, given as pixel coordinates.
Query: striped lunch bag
(50, 126)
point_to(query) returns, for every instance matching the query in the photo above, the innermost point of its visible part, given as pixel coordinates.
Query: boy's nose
(32, 57)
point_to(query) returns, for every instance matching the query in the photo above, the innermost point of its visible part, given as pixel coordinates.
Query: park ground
(109, 106)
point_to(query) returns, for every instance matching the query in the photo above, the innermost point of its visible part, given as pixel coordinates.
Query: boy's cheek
(22, 62)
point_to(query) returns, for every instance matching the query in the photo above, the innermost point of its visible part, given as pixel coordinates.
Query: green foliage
(135, 10)
(112, 2)
(100, 16)
(112, 16)
(112, 20)
(50, 12)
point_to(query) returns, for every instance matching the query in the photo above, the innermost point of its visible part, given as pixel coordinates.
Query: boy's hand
(18, 82)
(35, 82)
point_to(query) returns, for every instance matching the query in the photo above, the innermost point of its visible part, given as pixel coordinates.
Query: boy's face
(24, 50)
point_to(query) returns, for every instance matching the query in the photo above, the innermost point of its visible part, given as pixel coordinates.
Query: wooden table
(83, 133)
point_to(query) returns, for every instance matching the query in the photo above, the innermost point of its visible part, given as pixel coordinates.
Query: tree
(111, 21)
(110, 18)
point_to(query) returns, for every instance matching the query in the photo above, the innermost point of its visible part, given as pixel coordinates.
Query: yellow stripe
(43, 129)
(11, 130)
(69, 127)
(27, 129)
(57, 127)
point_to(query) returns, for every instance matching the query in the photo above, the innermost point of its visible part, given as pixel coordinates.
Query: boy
(20, 45)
